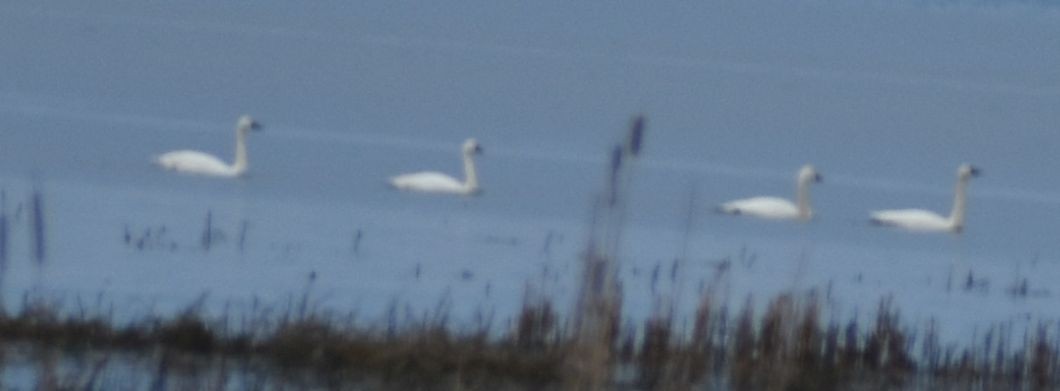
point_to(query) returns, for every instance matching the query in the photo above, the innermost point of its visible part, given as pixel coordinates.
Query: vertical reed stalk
(207, 232)
(37, 226)
(598, 307)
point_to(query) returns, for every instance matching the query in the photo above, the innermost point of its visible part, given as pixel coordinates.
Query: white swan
(778, 208)
(199, 163)
(926, 221)
(436, 182)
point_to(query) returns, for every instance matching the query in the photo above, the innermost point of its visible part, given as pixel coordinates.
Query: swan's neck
(802, 199)
(471, 176)
(240, 164)
(959, 201)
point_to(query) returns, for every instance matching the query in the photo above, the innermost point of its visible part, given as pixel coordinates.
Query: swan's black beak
(817, 178)
(478, 149)
(975, 171)
(255, 126)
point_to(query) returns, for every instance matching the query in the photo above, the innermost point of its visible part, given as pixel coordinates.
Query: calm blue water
(886, 100)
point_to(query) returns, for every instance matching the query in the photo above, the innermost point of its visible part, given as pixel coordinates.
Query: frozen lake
(886, 100)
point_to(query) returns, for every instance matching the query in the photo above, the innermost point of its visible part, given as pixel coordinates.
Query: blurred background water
(886, 99)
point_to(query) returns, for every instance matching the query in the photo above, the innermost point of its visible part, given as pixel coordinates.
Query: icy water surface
(886, 100)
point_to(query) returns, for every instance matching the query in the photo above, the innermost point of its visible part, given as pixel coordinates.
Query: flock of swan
(201, 163)
(917, 220)
(774, 208)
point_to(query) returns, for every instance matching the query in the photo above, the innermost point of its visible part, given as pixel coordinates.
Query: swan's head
(246, 124)
(471, 147)
(808, 174)
(966, 171)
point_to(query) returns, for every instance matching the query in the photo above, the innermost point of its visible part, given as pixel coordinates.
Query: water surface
(886, 100)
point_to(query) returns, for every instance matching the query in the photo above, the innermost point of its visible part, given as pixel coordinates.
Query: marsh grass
(787, 346)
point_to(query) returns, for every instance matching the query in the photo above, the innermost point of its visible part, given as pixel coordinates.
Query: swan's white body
(919, 220)
(776, 208)
(436, 182)
(913, 220)
(200, 163)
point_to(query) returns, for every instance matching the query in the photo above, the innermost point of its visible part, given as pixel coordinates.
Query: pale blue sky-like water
(886, 99)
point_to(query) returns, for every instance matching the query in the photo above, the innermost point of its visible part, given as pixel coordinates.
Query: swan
(436, 182)
(920, 220)
(776, 208)
(200, 163)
